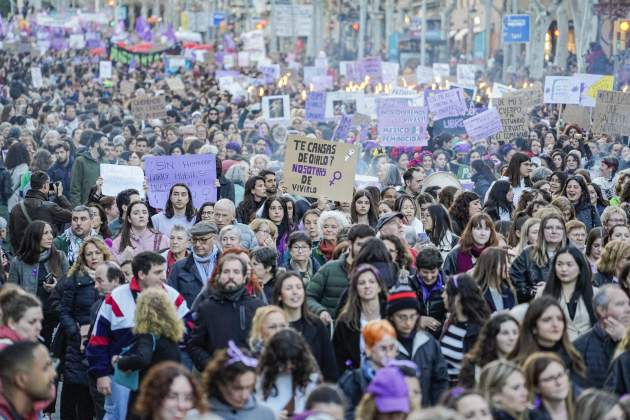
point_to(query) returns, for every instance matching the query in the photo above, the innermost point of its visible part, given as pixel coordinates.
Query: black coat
(221, 318)
(186, 280)
(142, 355)
(77, 297)
(587, 214)
(597, 350)
(317, 335)
(353, 384)
(525, 274)
(618, 380)
(433, 306)
(600, 279)
(507, 295)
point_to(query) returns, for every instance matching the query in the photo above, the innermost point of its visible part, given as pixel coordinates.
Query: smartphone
(49, 279)
(51, 186)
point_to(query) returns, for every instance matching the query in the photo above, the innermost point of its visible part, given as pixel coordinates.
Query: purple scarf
(465, 258)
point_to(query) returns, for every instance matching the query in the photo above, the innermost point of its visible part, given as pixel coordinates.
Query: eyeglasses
(207, 213)
(300, 248)
(202, 239)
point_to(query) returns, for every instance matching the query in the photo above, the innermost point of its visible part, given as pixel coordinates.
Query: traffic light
(262, 24)
(622, 31)
(355, 26)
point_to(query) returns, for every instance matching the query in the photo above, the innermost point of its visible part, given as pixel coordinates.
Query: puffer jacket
(78, 294)
(525, 274)
(325, 289)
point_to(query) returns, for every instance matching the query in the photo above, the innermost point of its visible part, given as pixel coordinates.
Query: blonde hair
(366, 409)
(79, 263)
(156, 314)
(613, 252)
(522, 242)
(255, 335)
(258, 223)
(493, 378)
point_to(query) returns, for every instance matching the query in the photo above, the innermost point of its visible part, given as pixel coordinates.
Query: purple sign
(400, 123)
(343, 128)
(315, 108)
(198, 172)
(372, 67)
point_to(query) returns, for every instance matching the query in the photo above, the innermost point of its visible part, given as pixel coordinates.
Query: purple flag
(228, 43)
(170, 34)
(143, 29)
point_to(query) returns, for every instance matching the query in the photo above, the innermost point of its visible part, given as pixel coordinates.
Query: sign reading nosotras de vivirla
(514, 117)
(148, 107)
(319, 168)
(612, 113)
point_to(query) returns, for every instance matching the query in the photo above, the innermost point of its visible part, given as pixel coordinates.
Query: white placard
(562, 90)
(466, 74)
(424, 74)
(389, 72)
(105, 70)
(36, 77)
(276, 108)
(441, 70)
(344, 103)
(117, 178)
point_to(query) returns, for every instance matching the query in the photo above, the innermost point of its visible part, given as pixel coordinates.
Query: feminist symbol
(336, 176)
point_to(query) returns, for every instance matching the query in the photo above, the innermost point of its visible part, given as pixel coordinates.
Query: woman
(496, 341)
(595, 404)
(366, 302)
(594, 247)
(300, 256)
(499, 202)
(99, 220)
(229, 380)
(440, 161)
(558, 157)
(157, 332)
(389, 176)
(267, 321)
(310, 220)
(468, 403)
(468, 311)
(290, 295)
(531, 268)
(287, 373)
(549, 387)
(437, 224)
(17, 162)
(136, 236)
(572, 163)
(597, 198)
(264, 262)
(178, 248)
(406, 205)
(169, 391)
(330, 223)
(478, 235)
(265, 231)
(385, 206)
(387, 397)
(78, 294)
(619, 233)
(205, 213)
(482, 177)
(615, 253)
(36, 267)
(544, 328)
(466, 205)
(275, 209)
(503, 384)
(576, 191)
(564, 206)
(556, 183)
(363, 209)
(518, 172)
(22, 318)
(492, 274)
(375, 253)
(618, 380)
(399, 254)
(528, 234)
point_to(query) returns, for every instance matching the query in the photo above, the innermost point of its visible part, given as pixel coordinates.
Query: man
(70, 120)
(415, 344)
(226, 315)
(328, 284)
(189, 275)
(270, 181)
(61, 170)
(413, 178)
(225, 214)
(114, 324)
(123, 199)
(597, 346)
(28, 376)
(36, 206)
(85, 170)
(142, 145)
(391, 223)
(428, 284)
(607, 171)
(179, 210)
(71, 239)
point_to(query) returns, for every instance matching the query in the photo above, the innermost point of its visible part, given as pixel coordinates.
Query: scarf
(43, 256)
(205, 265)
(426, 290)
(327, 247)
(74, 243)
(466, 260)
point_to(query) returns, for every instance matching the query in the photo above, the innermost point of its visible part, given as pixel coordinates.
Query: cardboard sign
(276, 108)
(105, 70)
(590, 84)
(612, 113)
(117, 178)
(127, 87)
(483, 125)
(315, 108)
(578, 115)
(316, 168)
(533, 95)
(148, 107)
(400, 123)
(36, 77)
(175, 84)
(498, 90)
(514, 117)
(198, 172)
(448, 103)
(562, 90)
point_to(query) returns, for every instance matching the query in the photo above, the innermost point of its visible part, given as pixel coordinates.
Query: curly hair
(286, 346)
(156, 386)
(218, 373)
(80, 264)
(155, 314)
(459, 209)
(612, 254)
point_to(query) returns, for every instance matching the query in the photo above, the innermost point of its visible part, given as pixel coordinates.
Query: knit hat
(390, 391)
(402, 297)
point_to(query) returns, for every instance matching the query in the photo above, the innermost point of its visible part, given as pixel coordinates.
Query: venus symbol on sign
(336, 176)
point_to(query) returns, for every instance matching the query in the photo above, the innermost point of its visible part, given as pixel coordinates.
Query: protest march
(249, 219)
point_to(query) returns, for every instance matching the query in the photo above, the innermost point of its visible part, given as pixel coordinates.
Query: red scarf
(327, 248)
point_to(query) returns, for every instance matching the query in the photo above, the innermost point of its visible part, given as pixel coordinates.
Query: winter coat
(62, 173)
(148, 240)
(600, 279)
(223, 317)
(185, 278)
(427, 355)
(433, 306)
(143, 354)
(525, 274)
(226, 189)
(326, 287)
(317, 335)
(618, 380)
(38, 207)
(8, 337)
(78, 294)
(507, 296)
(482, 185)
(253, 410)
(587, 214)
(25, 275)
(16, 179)
(597, 350)
(85, 170)
(353, 384)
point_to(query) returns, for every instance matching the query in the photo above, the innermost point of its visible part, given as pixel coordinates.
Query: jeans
(116, 402)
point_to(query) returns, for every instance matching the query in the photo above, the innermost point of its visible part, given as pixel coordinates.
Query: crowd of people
(503, 296)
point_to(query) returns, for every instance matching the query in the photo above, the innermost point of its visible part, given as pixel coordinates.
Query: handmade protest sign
(343, 128)
(315, 108)
(514, 117)
(117, 178)
(400, 123)
(441, 70)
(590, 84)
(36, 77)
(175, 84)
(105, 70)
(389, 72)
(579, 115)
(448, 103)
(148, 107)
(466, 74)
(341, 103)
(424, 74)
(483, 125)
(127, 87)
(562, 90)
(276, 108)
(498, 90)
(372, 67)
(198, 172)
(612, 113)
(316, 168)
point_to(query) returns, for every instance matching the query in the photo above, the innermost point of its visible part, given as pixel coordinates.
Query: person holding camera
(44, 201)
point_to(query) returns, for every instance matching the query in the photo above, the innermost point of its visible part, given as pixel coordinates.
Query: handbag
(129, 379)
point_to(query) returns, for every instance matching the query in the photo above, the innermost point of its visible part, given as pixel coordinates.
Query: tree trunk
(562, 53)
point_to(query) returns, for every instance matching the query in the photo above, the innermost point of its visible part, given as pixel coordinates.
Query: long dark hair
(200, 210)
(441, 223)
(276, 294)
(29, 251)
(497, 197)
(514, 170)
(284, 228)
(583, 285)
(485, 349)
(350, 313)
(104, 229)
(372, 213)
(585, 198)
(190, 210)
(374, 250)
(482, 171)
(474, 306)
(125, 232)
(17, 155)
(467, 242)
(459, 208)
